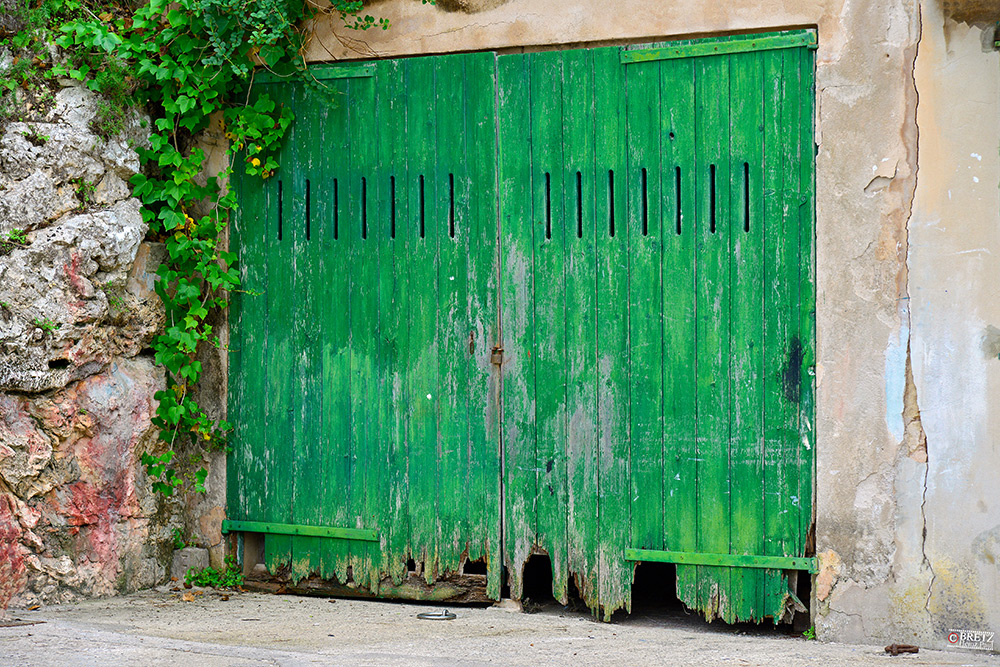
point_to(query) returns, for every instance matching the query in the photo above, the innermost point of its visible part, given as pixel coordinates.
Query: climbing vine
(189, 63)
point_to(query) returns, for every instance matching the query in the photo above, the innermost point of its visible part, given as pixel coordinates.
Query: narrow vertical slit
(746, 197)
(611, 202)
(392, 207)
(308, 211)
(336, 211)
(677, 187)
(579, 205)
(421, 206)
(645, 206)
(451, 205)
(548, 207)
(711, 203)
(281, 211)
(364, 208)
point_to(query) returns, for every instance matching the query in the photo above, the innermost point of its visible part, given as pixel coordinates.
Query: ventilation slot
(392, 206)
(579, 205)
(336, 211)
(308, 211)
(451, 205)
(677, 188)
(548, 207)
(364, 208)
(421, 207)
(611, 202)
(746, 197)
(645, 205)
(711, 198)
(281, 212)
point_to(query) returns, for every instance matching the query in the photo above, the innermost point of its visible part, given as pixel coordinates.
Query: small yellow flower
(255, 162)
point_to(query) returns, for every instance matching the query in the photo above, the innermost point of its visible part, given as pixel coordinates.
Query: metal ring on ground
(443, 615)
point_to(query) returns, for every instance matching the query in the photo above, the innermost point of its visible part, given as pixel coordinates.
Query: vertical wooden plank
(333, 223)
(549, 350)
(279, 396)
(517, 298)
(713, 229)
(247, 316)
(678, 143)
(579, 200)
(449, 222)
(236, 479)
(423, 372)
(305, 386)
(612, 334)
(645, 303)
(807, 297)
(746, 207)
(366, 432)
(777, 333)
(477, 194)
(391, 178)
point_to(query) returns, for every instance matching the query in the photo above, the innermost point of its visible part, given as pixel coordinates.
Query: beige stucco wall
(907, 253)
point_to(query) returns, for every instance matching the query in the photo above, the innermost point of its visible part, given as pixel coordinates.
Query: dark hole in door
(711, 203)
(392, 207)
(281, 211)
(645, 205)
(611, 202)
(537, 581)
(548, 207)
(746, 197)
(579, 205)
(421, 206)
(654, 588)
(336, 211)
(451, 205)
(474, 567)
(677, 188)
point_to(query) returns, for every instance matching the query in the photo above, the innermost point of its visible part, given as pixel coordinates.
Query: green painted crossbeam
(723, 560)
(360, 534)
(788, 40)
(322, 73)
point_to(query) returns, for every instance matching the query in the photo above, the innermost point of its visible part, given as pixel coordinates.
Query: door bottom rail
(724, 560)
(360, 534)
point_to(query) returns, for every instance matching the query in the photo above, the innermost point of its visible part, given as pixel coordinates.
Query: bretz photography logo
(977, 639)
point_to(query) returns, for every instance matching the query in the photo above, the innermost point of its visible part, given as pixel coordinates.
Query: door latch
(496, 356)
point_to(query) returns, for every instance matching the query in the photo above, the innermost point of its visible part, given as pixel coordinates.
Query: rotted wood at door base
(649, 280)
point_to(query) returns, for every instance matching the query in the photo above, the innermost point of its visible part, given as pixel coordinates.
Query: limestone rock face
(67, 307)
(77, 310)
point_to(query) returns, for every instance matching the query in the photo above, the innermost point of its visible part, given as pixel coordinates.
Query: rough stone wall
(908, 326)
(77, 310)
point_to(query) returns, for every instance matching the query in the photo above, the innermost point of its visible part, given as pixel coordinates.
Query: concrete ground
(161, 628)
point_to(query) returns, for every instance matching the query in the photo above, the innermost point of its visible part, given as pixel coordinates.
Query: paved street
(161, 628)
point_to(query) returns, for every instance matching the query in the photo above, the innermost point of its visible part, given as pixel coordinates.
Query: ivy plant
(189, 61)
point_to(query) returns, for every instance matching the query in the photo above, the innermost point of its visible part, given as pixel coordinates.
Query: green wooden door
(644, 271)
(656, 280)
(362, 385)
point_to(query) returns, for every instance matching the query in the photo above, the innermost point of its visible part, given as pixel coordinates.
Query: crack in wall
(914, 437)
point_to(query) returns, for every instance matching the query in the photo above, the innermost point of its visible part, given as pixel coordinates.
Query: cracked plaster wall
(908, 326)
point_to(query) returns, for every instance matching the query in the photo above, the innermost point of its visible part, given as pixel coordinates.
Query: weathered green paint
(723, 560)
(229, 526)
(637, 239)
(719, 47)
(323, 73)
